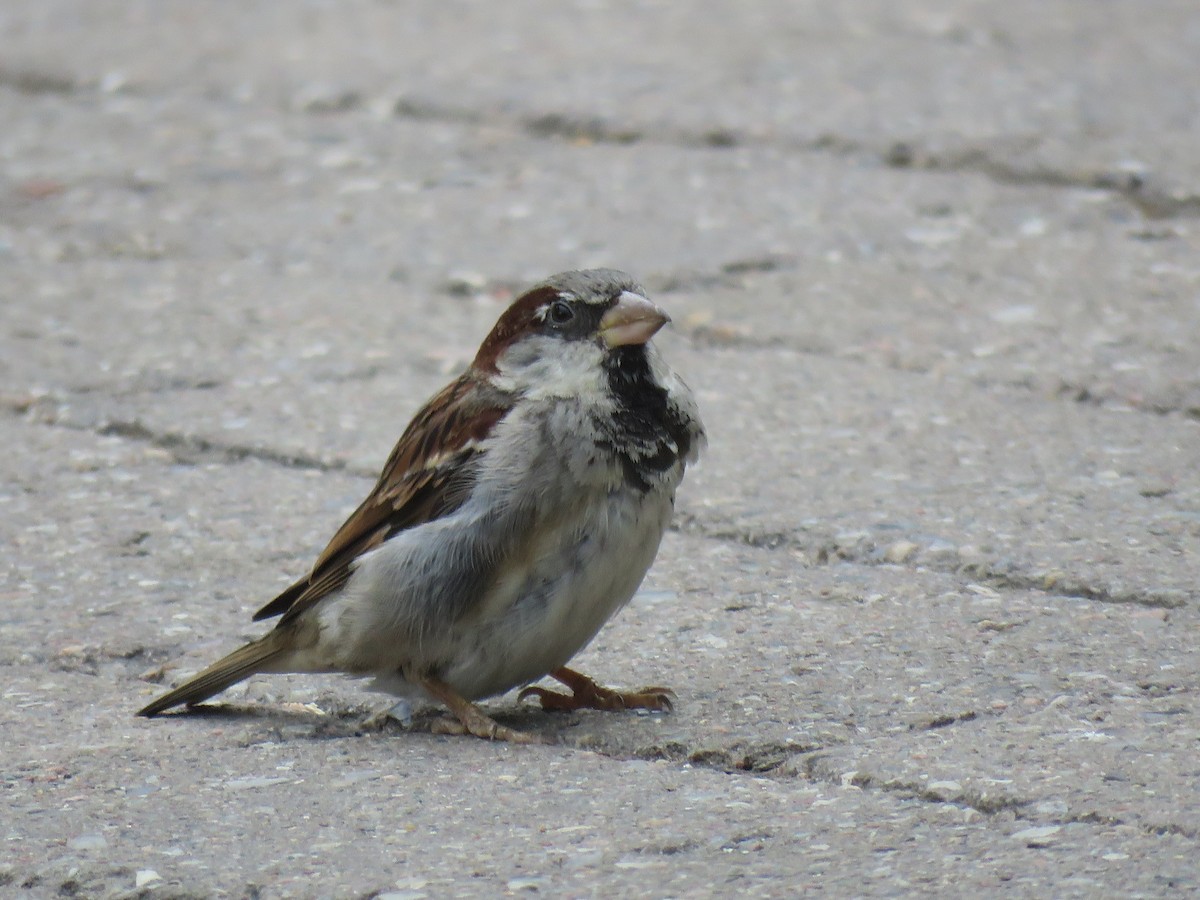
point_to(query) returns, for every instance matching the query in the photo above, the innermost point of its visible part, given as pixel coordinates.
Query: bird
(518, 512)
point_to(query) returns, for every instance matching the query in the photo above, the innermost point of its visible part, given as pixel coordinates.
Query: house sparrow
(517, 513)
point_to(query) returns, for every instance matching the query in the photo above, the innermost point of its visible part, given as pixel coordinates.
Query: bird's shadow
(339, 720)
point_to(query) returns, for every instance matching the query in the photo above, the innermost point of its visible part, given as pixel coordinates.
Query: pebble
(900, 551)
(1155, 488)
(250, 782)
(944, 789)
(316, 97)
(88, 842)
(145, 877)
(526, 884)
(1038, 836)
(1014, 315)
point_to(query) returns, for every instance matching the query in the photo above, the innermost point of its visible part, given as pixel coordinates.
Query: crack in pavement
(952, 794)
(753, 757)
(34, 81)
(1165, 828)
(1088, 395)
(824, 549)
(1146, 192)
(800, 760)
(716, 335)
(944, 721)
(330, 718)
(184, 449)
(719, 336)
(700, 335)
(820, 549)
(949, 793)
(1149, 194)
(192, 449)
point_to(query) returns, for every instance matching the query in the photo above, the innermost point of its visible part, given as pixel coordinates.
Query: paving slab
(1070, 90)
(261, 240)
(878, 699)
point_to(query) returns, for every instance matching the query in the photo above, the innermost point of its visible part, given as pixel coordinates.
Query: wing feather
(429, 474)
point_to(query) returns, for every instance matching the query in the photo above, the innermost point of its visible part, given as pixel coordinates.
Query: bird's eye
(561, 312)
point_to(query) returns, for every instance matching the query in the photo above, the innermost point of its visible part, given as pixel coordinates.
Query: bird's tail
(237, 666)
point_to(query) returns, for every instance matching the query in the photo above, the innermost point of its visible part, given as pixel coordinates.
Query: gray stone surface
(931, 604)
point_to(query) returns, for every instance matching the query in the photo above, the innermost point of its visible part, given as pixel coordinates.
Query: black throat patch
(647, 434)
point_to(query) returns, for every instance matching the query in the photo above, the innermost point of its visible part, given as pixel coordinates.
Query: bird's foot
(586, 694)
(470, 719)
(482, 726)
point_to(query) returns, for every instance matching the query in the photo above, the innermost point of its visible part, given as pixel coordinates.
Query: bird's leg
(471, 719)
(586, 694)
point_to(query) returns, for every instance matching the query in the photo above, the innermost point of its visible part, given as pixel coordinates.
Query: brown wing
(429, 474)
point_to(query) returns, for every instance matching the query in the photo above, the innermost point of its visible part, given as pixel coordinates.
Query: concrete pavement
(931, 602)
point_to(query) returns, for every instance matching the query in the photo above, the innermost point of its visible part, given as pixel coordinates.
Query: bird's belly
(545, 613)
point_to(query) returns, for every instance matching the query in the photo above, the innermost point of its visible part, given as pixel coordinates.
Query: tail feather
(237, 666)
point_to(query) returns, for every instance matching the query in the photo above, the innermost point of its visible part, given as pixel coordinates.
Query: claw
(484, 727)
(550, 700)
(470, 719)
(586, 694)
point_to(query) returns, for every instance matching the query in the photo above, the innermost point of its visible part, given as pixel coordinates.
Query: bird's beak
(633, 320)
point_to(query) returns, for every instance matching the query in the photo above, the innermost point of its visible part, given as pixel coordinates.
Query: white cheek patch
(541, 366)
